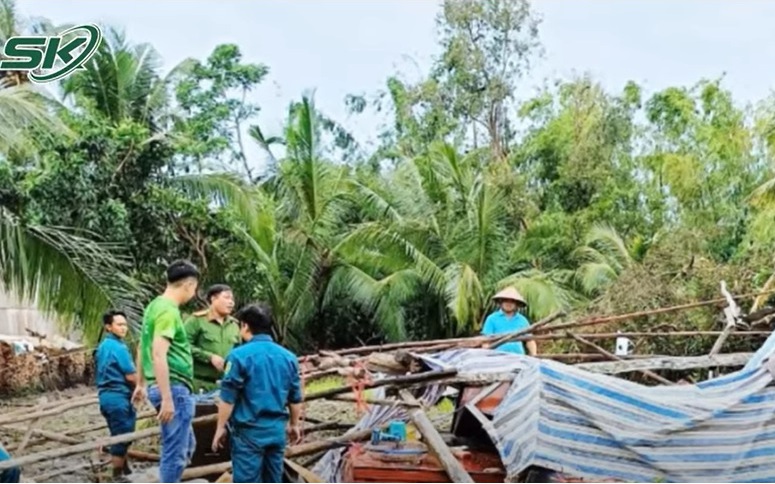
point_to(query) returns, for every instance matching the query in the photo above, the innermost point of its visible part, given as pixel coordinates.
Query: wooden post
(437, 445)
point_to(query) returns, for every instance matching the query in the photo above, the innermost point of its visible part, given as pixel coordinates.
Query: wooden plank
(668, 363)
(447, 459)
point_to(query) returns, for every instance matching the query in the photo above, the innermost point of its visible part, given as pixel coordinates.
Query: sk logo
(39, 54)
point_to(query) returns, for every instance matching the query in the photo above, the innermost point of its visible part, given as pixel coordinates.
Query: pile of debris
(37, 363)
(396, 387)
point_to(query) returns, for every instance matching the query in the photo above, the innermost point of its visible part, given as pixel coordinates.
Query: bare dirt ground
(94, 467)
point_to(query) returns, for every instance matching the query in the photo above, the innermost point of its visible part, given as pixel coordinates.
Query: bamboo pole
(13, 419)
(577, 323)
(401, 381)
(668, 363)
(89, 446)
(614, 357)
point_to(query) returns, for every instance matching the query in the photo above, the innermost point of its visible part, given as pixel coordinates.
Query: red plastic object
(365, 466)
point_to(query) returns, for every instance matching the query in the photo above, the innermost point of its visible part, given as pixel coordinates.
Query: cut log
(434, 441)
(668, 363)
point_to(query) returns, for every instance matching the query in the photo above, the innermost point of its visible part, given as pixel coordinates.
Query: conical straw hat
(510, 293)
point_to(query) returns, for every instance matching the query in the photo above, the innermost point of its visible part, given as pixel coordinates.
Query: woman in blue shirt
(508, 319)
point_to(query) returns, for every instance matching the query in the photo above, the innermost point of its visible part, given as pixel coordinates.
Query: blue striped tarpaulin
(597, 426)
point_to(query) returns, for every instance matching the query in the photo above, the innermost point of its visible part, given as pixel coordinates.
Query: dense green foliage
(586, 200)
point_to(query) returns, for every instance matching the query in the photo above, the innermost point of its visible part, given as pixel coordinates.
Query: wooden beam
(668, 363)
(614, 357)
(454, 468)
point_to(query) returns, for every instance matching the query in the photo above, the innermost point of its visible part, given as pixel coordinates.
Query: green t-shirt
(162, 318)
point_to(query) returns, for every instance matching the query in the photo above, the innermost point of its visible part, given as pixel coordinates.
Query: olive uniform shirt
(207, 338)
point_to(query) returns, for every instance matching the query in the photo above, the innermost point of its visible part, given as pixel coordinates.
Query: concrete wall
(16, 315)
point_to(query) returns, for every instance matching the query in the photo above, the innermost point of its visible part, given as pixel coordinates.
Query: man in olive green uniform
(168, 369)
(212, 334)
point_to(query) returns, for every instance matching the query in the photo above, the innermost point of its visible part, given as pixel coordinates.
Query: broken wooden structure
(460, 453)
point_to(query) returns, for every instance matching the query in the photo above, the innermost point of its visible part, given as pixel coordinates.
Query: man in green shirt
(168, 369)
(212, 334)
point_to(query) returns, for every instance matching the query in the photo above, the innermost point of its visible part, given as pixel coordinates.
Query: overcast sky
(341, 47)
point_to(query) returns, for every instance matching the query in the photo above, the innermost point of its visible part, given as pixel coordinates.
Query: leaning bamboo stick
(614, 357)
(452, 466)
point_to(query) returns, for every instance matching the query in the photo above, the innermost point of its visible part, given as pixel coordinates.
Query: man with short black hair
(116, 379)
(212, 334)
(260, 388)
(167, 366)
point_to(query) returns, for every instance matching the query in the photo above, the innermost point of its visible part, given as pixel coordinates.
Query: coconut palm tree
(65, 274)
(123, 81)
(25, 109)
(444, 221)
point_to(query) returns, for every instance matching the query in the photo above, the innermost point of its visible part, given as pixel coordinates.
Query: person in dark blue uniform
(260, 391)
(8, 475)
(116, 379)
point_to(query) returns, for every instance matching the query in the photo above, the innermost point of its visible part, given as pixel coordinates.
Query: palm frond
(223, 190)
(464, 296)
(24, 113)
(66, 275)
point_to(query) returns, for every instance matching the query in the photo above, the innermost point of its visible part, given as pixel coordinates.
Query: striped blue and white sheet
(597, 426)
